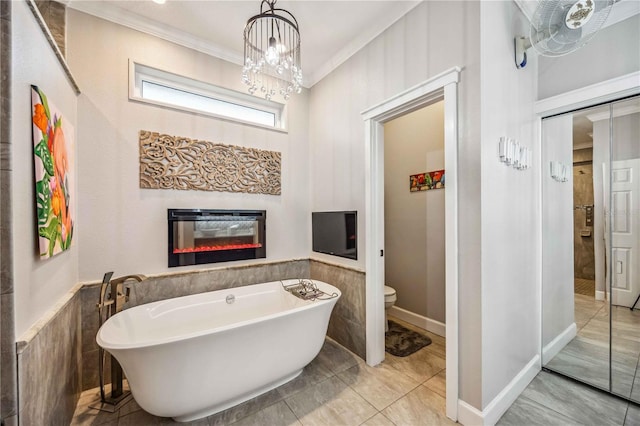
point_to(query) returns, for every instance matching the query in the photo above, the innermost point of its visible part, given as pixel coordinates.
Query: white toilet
(389, 299)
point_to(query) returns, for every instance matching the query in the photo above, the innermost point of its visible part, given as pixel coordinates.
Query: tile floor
(585, 287)
(554, 400)
(551, 399)
(587, 355)
(336, 388)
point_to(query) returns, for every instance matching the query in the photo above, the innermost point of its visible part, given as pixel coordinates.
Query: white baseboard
(560, 341)
(436, 327)
(599, 295)
(471, 416)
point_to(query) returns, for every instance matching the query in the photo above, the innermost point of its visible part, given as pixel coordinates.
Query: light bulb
(271, 55)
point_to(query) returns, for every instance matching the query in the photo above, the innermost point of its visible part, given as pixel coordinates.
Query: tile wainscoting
(8, 377)
(348, 320)
(50, 366)
(58, 357)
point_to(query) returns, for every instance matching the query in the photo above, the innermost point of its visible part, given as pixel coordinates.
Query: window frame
(139, 72)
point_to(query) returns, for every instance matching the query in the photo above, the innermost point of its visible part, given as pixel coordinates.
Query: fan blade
(559, 27)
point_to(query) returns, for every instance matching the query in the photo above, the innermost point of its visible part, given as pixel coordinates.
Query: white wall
(430, 39)
(510, 224)
(38, 284)
(414, 221)
(123, 227)
(613, 52)
(557, 225)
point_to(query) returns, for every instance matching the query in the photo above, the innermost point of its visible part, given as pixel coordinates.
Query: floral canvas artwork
(52, 148)
(426, 181)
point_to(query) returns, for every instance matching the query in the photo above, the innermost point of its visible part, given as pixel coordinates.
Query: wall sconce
(559, 172)
(512, 154)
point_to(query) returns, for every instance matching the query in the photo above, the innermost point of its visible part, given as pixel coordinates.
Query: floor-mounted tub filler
(194, 356)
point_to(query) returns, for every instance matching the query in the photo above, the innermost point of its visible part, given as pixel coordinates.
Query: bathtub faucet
(117, 295)
(115, 302)
(117, 298)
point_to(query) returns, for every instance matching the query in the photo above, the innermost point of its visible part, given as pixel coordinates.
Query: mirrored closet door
(591, 246)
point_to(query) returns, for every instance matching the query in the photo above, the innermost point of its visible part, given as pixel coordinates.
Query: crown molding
(149, 26)
(140, 23)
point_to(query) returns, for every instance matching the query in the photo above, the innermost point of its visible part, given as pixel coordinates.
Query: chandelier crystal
(272, 53)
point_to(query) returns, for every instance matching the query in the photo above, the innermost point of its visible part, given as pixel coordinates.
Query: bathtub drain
(230, 299)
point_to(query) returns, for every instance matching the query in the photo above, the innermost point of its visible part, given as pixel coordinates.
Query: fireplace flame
(216, 248)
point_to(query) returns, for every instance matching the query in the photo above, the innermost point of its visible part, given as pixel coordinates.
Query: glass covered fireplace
(207, 236)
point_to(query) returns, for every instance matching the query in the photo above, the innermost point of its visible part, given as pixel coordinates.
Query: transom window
(163, 88)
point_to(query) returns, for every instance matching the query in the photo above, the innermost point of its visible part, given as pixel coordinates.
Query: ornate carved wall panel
(173, 162)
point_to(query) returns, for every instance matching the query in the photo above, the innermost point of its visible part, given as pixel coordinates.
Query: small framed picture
(426, 181)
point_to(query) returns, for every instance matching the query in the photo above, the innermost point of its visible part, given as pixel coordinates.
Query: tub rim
(220, 329)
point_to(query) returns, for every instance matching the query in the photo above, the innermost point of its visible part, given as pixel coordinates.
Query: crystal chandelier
(272, 53)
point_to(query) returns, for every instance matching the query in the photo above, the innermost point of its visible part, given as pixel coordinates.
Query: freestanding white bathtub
(193, 356)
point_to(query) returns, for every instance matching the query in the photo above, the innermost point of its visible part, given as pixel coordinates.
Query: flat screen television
(335, 233)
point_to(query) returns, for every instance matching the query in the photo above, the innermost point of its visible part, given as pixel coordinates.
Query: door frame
(443, 86)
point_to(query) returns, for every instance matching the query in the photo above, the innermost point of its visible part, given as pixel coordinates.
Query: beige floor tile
(84, 415)
(438, 383)
(276, 415)
(420, 366)
(245, 409)
(313, 373)
(586, 302)
(625, 338)
(330, 402)
(436, 347)
(138, 418)
(130, 407)
(90, 416)
(378, 420)
(337, 388)
(380, 385)
(420, 407)
(336, 357)
(89, 397)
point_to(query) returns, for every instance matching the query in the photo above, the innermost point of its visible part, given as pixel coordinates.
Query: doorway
(584, 267)
(441, 87)
(414, 188)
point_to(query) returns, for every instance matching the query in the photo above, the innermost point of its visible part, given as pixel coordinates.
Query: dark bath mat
(401, 341)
